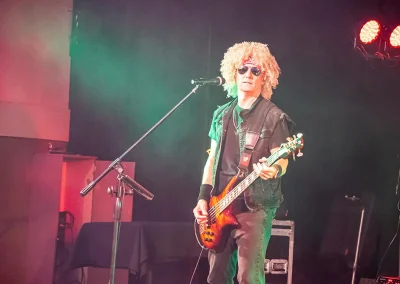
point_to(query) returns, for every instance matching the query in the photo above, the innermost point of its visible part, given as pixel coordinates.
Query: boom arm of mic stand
(90, 186)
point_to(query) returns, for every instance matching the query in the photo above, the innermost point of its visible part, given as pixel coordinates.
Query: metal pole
(117, 223)
(291, 250)
(358, 247)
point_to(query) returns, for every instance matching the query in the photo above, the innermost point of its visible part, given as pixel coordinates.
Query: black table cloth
(141, 244)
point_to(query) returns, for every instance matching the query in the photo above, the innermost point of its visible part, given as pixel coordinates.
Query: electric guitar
(219, 214)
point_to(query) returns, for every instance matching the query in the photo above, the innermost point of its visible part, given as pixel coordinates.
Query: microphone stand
(355, 263)
(398, 221)
(125, 180)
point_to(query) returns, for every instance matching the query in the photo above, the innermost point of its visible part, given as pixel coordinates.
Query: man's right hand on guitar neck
(200, 211)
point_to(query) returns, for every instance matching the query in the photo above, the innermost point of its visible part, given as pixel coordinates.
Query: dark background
(132, 61)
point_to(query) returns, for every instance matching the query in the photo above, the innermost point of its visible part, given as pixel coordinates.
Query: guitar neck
(245, 183)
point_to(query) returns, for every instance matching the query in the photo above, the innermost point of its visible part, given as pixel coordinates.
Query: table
(141, 244)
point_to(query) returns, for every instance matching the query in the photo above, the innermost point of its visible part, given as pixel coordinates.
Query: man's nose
(248, 73)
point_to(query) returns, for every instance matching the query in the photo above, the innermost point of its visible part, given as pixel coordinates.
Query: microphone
(217, 81)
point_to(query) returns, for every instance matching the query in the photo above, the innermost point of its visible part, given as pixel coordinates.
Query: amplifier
(388, 279)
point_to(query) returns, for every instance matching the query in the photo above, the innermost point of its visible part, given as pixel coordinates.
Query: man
(250, 72)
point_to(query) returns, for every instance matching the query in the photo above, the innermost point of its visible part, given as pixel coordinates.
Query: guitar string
(216, 209)
(230, 196)
(222, 203)
(220, 206)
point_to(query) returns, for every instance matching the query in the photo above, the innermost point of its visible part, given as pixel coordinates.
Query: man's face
(249, 79)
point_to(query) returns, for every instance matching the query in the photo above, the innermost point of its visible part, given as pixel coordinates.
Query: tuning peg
(289, 139)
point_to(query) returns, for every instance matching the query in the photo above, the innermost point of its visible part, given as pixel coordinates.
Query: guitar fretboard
(245, 183)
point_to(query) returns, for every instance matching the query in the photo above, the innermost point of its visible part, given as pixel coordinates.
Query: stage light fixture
(377, 38)
(394, 39)
(370, 31)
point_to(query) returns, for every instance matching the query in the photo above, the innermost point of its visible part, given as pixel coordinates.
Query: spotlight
(377, 39)
(370, 31)
(394, 39)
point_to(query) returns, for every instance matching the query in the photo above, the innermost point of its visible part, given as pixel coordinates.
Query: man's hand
(264, 171)
(200, 211)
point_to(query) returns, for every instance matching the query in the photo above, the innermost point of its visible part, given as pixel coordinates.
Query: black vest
(262, 194)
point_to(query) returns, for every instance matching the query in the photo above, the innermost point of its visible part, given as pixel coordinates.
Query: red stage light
(370, 31)
(395, 37)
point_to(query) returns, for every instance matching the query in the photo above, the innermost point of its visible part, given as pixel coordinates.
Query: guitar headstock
(293, 146)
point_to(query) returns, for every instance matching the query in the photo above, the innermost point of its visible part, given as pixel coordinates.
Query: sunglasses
(255, 70)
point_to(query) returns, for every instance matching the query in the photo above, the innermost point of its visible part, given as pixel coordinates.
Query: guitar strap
(252, 136)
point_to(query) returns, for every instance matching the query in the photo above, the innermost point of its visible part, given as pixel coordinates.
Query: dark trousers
(246, 248)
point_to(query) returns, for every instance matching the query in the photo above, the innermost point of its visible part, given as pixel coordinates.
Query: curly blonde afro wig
(259, 55)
